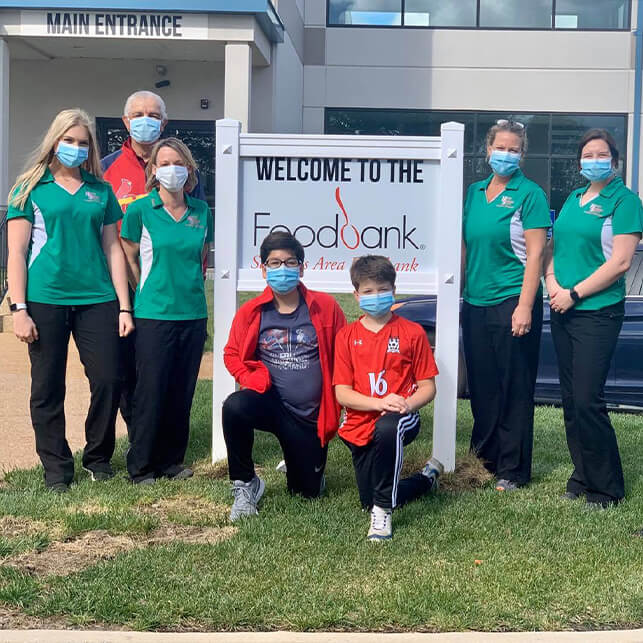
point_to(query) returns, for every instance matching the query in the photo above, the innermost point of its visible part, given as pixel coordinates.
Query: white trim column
(4, 121)
(238, 80)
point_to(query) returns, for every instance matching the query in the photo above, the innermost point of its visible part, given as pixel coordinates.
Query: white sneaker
(381, 524)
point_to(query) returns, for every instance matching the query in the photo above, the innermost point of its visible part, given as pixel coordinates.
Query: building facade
(332, 66)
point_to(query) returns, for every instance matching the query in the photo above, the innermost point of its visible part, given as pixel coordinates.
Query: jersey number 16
(378, 384)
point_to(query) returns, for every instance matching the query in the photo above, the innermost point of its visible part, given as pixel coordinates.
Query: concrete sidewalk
(17, 444)
(64, 636)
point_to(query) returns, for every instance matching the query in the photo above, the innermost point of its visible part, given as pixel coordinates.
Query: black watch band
(125, 310)
(574, 295)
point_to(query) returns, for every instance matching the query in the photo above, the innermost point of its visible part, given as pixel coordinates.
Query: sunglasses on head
(503, 122)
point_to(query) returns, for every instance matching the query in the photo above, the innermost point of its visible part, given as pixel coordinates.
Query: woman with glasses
(505, 220)
(165, 235)
(595, 237)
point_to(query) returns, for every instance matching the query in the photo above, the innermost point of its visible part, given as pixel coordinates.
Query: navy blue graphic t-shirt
(288, 347)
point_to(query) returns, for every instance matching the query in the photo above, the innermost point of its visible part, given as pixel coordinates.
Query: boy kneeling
(384, 373)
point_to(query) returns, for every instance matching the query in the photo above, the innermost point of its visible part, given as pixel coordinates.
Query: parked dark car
(624, 388)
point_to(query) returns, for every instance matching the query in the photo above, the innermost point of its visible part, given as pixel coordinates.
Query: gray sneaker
(246, 496)
(506, 485)
(433, 469)
(381, 525)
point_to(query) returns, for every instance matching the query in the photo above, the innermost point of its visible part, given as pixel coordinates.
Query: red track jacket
(240, 357)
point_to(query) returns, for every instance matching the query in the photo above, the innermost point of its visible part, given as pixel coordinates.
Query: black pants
(501, 371)
(245, 411)
(378, 464)
(168, 356)
(585, 342)
(128, 376)
(95, 331)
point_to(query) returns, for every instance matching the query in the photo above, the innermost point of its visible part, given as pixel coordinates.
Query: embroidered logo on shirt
(357, 342)
(506, 202)
(193, 222)
(595, 209)
(92, 197)
(393, 345)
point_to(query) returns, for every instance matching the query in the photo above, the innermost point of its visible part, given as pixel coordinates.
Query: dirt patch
(191, 510)
(217, 471)
(21, 527)
(64, 558)
(469, 473)
(12, 618)
(168, 534)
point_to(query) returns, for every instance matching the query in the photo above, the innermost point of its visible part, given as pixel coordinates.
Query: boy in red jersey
(384, 373)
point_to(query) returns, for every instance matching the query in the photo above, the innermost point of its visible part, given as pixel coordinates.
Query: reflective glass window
(375, 13)
(516, 14)
(581, 14)
(437, 13)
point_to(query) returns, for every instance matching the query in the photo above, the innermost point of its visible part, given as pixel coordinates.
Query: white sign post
(343, 197)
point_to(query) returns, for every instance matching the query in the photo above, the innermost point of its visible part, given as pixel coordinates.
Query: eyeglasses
(503, 122)
(291, 262)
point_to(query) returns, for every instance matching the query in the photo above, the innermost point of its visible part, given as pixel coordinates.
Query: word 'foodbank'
(334, 236)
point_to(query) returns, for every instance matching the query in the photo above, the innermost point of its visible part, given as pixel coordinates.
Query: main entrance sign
(343, 197)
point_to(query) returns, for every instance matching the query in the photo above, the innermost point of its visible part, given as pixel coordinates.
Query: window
(603, 15)
(516, 14)
(580, 14)
(552, 139)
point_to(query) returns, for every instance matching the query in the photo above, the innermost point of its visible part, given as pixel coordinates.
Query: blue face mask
(378, 304)
(283, 279)
(596, 169)
(504, 163)
(71, 155)
(145, 129)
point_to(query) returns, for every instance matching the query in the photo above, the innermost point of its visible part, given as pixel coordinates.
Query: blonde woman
(165, 236)
(67, 275)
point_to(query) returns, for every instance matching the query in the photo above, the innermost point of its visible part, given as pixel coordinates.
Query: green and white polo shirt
(493, 234)
(583, 237)
(171, 285)
(66, 264)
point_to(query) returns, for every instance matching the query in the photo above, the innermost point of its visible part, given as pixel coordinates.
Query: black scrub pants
(378, 464)
(128, 376)
(168, 356)
(501, 372)
(95, 331)
(585, 341)
(246, 410)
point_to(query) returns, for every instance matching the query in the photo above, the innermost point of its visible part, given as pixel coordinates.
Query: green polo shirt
(493, 234)
(66, 264)
(583, 237)
(171, 284)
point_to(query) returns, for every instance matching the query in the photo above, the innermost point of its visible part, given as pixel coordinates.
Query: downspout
(638, 79)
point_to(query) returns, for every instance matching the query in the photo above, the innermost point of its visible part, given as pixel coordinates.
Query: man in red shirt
(384, 374)
(145, 117)
(280, 350)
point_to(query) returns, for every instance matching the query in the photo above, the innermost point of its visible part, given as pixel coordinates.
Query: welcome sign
(343, 197)
(342, 208)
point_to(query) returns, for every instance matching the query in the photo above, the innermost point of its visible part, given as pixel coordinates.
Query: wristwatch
(574, 295)
(15, 307)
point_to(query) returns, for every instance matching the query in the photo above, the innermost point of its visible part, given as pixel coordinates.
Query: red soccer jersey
(392, 360)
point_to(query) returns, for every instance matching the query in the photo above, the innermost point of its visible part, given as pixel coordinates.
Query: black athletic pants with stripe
(378, 464)
(95, 331)
(128, 375)
(585, 341)
(245, 411)
(501, 371)
(168, 356)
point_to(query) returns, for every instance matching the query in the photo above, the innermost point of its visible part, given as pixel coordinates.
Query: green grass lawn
(474, 559)
(305, 565)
